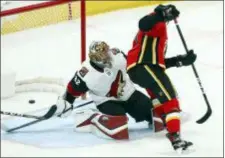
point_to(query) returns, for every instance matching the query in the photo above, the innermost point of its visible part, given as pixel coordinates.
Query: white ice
(55, 51)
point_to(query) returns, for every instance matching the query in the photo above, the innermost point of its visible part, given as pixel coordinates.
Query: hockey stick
(20, 115)
(37, 117)
(49, 114)
(209, 110)
(81, 105)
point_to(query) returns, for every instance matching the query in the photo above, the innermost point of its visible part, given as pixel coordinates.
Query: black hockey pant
(138, 106)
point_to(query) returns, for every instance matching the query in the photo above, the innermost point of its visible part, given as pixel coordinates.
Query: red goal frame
(53, 3)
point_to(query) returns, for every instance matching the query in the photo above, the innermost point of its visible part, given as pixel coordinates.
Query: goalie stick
(48, 115)
(20, 115)
(209, 110)
(81, 105)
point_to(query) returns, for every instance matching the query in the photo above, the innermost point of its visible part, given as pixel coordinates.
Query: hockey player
(104, 77)
(146, 65)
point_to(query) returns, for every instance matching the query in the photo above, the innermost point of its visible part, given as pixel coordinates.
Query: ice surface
(55, 51)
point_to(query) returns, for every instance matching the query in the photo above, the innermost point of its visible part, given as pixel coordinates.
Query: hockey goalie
(104, 77)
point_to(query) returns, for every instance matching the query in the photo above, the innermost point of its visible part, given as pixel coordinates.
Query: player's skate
(178, 144)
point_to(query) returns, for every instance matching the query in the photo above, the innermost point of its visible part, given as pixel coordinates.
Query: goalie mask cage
(39, 15)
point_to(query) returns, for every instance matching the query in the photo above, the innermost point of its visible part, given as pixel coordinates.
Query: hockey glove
(64, 108)
(187, 59)
(167, 12)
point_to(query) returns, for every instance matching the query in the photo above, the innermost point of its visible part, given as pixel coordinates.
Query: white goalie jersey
(103, 84)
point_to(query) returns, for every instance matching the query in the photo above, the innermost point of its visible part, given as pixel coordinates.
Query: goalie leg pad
(82, 120)
(105, 126)
(113, 127)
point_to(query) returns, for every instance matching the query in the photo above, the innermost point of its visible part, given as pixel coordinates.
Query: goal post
(83, 30)
(45, 13)
(34, 16)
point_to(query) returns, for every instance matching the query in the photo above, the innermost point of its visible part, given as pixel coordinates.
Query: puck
(31, 101)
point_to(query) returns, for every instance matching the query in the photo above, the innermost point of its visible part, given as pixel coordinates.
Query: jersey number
(76, 80)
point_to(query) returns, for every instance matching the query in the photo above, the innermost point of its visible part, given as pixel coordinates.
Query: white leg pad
(104, 126)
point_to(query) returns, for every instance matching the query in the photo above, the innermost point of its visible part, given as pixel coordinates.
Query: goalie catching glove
(64, 108)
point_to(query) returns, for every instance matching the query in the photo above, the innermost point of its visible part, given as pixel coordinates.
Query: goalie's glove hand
(167, 12)
(64, 108)
(187, 59)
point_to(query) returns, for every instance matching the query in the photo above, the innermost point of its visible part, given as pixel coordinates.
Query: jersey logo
(83, 71)
(117, 86)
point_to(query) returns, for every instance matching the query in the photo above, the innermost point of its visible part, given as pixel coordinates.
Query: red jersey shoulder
(83, 71)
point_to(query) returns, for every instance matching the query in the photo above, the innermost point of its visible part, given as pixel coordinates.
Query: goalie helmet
(98, 54)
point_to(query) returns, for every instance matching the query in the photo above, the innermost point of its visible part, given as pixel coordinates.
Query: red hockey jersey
(149, 47)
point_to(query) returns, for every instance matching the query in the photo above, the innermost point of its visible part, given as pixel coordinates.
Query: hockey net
(39, 15)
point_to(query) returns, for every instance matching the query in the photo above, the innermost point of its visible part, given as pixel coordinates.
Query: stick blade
(51, 112)
(205, 117)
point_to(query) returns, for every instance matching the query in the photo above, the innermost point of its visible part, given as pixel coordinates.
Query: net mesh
(40, 17)
(32, 17)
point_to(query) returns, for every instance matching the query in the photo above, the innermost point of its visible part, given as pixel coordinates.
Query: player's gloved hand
(64, 108)
(187, 59)
(167, 12)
